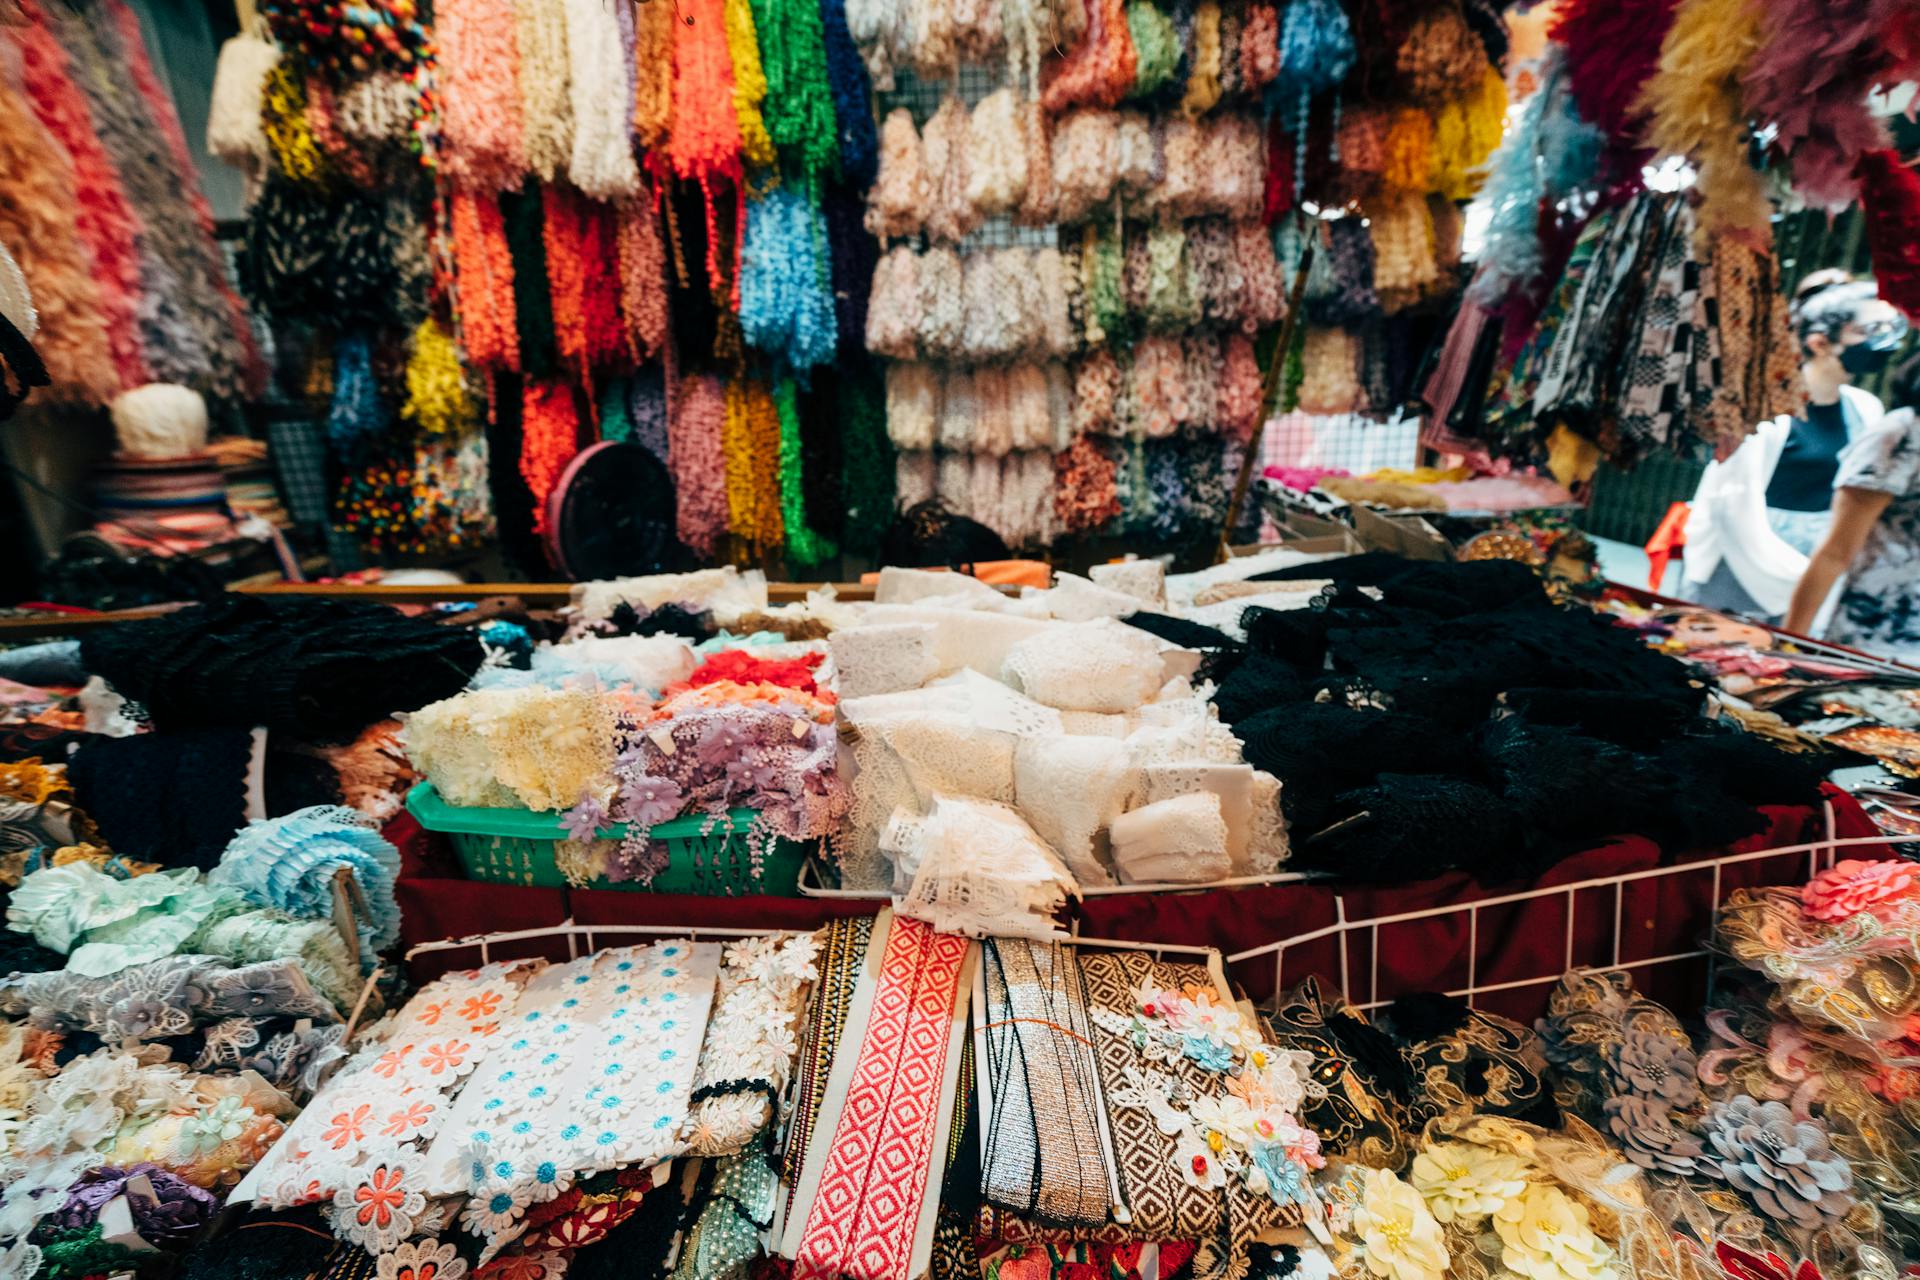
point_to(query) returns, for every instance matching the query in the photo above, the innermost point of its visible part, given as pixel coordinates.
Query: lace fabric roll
(751, 1041)
(1180, 841)
(1093, 666)
(897, 204)
(1048, 1153)
(976, 868)
(1071, 788)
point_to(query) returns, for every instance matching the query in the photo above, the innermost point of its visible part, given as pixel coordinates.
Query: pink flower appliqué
(1854, 886)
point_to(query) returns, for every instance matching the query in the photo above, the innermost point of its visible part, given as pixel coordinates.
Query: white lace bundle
(1102, 665)
(1134, 155)
(996, 154)
(1177, 194)
(913, 476)
(984, 306)
(881, 29)
(932, 36)
(1331, 358)
(1085, 157)
(234, 130)
(943, 312)
(1037, 207)
(950, 214)
(914, 404)
(1403, 247)
(977, 868)
(900, 193)
(893, 308)
(978, 35)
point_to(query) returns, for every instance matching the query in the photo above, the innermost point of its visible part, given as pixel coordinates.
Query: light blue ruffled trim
(289, 863)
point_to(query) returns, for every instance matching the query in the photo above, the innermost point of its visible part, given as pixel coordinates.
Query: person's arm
(1855, 512)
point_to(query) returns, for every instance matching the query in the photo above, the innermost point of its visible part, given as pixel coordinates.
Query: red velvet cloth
(1516, 941)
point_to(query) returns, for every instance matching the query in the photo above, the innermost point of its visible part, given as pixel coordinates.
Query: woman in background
(1759, 514)
(1874, 537)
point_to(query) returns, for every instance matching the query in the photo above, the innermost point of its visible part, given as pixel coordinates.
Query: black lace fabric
(171, 798)
(316, 670)
(1425, 717)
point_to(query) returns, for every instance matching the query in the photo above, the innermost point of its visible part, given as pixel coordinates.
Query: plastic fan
(611, 514)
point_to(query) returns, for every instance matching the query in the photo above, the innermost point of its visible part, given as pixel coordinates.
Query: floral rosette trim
(1252, 1131)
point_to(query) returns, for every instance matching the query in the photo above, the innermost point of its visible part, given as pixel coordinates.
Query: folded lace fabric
(1101, 665)
(1177, 841)
(290, 863)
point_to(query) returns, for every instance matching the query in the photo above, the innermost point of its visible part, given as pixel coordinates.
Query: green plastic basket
(709, 856)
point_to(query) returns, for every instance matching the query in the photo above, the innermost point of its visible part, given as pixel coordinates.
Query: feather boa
(549, 439)
(1811, 77)
(749, 84)
(602, 162)
(799, 110)
(580, 246)
(1695, 109)
(852, 94)
(546, 112)
(786, 294)
(102, 218)
(643, 276)
(1611, 48)
(751, 439)
(695, 423)
(160, 110)
(1890, 198)
(1551, 154)
(37, 219)
(483, 273)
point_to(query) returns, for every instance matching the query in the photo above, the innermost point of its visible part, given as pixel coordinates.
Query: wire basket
(710, 856)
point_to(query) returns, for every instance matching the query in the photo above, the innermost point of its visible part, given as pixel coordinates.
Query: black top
(1804, 479)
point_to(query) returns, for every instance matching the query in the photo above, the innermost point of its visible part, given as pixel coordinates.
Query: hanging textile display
(108, 225)
(1170, 186)
(1609, 321)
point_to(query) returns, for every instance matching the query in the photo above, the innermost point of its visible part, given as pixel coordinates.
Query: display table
(1514, 942)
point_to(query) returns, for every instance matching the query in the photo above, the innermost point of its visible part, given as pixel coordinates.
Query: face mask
(1864, 359)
